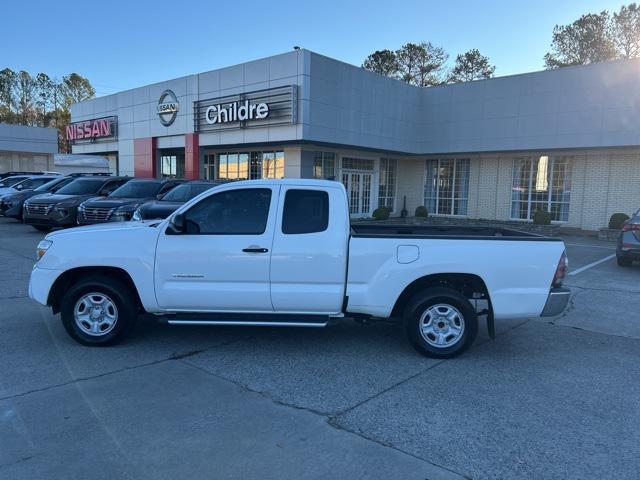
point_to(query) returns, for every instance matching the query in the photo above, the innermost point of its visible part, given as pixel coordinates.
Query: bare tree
(421, 64)
(8, 80)
(25, 91)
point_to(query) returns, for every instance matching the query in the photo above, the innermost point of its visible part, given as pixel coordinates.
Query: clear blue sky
(120, 45)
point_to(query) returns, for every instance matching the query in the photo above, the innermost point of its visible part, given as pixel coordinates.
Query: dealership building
(566, 141)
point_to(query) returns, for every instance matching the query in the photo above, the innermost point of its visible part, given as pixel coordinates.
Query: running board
(248, 320)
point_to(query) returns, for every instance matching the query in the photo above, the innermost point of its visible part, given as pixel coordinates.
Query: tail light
(561, 271)
(631, 227)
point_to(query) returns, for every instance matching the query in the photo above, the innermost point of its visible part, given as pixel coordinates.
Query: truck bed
(458, 232)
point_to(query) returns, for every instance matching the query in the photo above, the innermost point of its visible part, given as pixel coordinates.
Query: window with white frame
(541, 183)
(352, 163)
(446, 186)
(387, 183)
(324, 165)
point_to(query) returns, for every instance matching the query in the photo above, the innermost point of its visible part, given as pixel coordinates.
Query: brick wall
(603, 182)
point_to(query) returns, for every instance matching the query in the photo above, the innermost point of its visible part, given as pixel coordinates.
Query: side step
(247, 319)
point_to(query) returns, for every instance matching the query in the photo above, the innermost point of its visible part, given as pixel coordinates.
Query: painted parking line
(593, 264)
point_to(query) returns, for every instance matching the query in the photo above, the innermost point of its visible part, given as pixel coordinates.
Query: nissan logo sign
(168, 107)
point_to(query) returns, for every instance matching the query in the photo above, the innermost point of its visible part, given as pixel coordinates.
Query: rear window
(54, 184)
(11, 181)
(137, 189)
(186, 191)
(30, 183)
(82, 186)
(305, 211)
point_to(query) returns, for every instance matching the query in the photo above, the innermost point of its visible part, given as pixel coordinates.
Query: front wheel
(98, 311)
(42, 228)
(440, 322)
(623, 262)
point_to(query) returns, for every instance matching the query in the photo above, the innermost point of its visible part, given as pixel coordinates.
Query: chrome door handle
(255, 250)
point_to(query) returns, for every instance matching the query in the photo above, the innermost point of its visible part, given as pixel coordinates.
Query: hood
(101, 227)
(22, 195)
(114, 202)
(57, 198)
(159, 209)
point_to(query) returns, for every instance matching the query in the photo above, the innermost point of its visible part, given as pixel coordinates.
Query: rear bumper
(557, 302)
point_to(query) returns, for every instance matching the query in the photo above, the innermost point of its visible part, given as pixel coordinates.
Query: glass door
(358, 185)
(210, 166)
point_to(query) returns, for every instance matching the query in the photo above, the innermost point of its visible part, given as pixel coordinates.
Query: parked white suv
(282, 252)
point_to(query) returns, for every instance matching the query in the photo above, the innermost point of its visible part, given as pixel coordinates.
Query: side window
(305, 211)
(166, 187)
(234, 212)
(110, 187)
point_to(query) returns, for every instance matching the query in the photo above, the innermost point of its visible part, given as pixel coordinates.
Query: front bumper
(10, 209)
(40, 283)
(55, 218)
(109, 218)
(557, 302)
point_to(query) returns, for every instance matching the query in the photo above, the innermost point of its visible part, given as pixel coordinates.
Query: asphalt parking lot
(555, 398)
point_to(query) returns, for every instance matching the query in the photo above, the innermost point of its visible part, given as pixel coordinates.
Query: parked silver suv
(629, 242)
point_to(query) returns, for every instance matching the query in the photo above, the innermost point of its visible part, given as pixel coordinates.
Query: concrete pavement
(546, 399)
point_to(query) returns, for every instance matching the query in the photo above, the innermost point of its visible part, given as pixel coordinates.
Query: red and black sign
(92, 130)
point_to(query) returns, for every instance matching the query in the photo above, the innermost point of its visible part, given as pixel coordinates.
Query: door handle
(255, 250)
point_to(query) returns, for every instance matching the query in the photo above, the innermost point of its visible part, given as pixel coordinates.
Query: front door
(358, 185)
(221, 260)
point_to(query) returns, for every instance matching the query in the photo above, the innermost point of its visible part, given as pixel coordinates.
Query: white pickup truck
(283, 253)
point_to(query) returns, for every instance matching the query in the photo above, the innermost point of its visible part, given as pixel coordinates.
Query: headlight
(42, 248)
(136, 215)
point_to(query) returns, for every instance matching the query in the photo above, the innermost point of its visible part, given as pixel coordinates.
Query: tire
(456, 328)
(624, 262)
(41, 228)
(115, 305)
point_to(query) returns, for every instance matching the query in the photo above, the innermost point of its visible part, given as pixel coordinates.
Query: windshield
(137, 189)
(186, 191)
(53, 184)
(11, 181)
(31, 183)
(82, 186)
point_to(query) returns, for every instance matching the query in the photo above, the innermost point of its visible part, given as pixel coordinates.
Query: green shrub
(541, 217)
(617, 219)
(381, 213)
(422, 211)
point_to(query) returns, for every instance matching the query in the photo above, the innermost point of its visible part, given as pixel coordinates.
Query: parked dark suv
(60, 209)
(169, 202)
(11, 204)
(120, 204)
(629, 242)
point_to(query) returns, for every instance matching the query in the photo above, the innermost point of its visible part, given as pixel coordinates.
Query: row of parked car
(46, 201)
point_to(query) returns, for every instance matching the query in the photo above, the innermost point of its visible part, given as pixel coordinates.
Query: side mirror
(18, 187)
(159, 196)
(176, 224)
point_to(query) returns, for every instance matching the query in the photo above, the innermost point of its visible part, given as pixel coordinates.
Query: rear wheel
(623, 262)
(440, 322)
(98, 311)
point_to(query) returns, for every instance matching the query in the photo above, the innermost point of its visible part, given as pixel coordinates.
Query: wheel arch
(71, 276)
(467, 284)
